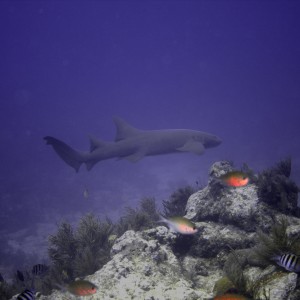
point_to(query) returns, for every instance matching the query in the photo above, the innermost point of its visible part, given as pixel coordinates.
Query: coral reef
(223, 205)
(62, 249)
(270, 284)
(276, 242)
(82, 252)
(277, 189)
(230, 251)
(176, 204)
(144, 217)
(6, 290)
(223, 285)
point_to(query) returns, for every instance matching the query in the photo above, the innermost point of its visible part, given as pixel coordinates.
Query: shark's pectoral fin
(192, 146)
(136, 156)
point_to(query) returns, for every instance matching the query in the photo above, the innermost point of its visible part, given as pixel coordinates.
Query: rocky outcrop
(220, 204)
(143, 266)
(157, 264)
(271, 283)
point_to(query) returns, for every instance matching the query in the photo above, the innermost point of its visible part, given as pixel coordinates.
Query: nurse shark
(133, 144)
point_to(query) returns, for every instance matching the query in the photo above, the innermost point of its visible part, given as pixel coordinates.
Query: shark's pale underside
(133, 144)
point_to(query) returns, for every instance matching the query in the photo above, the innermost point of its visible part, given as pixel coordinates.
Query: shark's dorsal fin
(124, 130)
(95, 143)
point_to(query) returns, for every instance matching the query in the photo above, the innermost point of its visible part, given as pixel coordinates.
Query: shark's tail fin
(71, 156)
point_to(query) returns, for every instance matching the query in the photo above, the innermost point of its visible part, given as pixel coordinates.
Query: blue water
(230, 68)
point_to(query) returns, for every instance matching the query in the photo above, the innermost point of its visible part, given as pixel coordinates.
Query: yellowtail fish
(82, 288)
(235, 179)
(290, 262)
(180, 224)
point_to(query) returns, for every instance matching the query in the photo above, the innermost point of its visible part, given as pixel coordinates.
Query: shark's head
(207, 139)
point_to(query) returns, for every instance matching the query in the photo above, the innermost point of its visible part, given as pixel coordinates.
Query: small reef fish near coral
(82, 288)
(290, 262)
(180, 224)
(26, 295)
(235, 179)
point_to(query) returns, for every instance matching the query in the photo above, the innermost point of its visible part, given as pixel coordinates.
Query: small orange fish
(82, 288)
(230, 297)
(235, 179)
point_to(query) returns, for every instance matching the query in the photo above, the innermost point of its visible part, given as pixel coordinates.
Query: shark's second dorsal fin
(95, 143)
(124, 130)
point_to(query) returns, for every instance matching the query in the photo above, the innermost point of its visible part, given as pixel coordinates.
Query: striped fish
(26, 295)
(290, 262)
(39, 269)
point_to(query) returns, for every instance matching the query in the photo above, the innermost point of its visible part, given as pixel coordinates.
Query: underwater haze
(228, 68)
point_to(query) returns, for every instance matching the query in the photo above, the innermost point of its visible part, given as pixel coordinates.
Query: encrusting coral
(144, 260)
